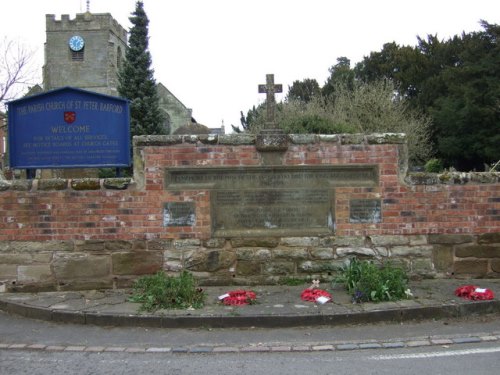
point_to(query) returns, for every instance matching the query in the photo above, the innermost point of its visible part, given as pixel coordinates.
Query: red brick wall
(29, 213)
(91, 233)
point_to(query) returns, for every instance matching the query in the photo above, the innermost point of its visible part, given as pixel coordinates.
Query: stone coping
(76, 184)
(83, 184)
(250, 139)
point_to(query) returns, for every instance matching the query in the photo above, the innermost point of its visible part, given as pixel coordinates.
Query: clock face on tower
(76, 43)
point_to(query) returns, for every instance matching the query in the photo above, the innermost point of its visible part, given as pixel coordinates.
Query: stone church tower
(85, 52)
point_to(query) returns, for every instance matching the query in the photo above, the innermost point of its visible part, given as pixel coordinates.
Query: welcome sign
(68, 128)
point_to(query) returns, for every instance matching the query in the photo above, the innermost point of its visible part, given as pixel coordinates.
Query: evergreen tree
(136, 81)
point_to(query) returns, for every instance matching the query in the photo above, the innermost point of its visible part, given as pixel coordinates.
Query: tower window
(77, 55)
(119, 58)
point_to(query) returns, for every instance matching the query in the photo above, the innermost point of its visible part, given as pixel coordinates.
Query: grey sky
(213, 54)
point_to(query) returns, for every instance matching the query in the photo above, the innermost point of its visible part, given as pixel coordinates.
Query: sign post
(69, 128)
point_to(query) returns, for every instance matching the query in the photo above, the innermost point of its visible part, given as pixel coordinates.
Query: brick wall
(88, 233)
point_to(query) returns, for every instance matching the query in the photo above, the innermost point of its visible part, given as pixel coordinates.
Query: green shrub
(160, 291)
(434, 166)
(367, 282)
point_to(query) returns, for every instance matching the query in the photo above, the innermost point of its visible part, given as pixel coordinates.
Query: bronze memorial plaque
(267, 201)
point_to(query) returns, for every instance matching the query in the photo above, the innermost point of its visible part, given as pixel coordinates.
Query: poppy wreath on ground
(312, 295)
(475, 293)
(239, 297)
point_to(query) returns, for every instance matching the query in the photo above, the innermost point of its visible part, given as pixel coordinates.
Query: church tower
(85, 52)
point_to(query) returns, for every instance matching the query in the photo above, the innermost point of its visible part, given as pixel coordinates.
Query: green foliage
(136, 81)
(457, 83)
(367, 282)
(360, 107)
(160, 291)
(434, 166)
(304, 91)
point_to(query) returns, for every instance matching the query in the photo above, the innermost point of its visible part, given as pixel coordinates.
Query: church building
(87, 52)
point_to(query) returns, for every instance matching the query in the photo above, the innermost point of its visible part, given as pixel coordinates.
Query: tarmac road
(465, 346)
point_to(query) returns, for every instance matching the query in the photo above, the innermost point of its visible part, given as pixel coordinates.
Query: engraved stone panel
(179, 214)
(280, 200)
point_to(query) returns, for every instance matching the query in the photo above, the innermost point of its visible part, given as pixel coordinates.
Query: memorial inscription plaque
(365, 211)
(179, 214)
(268, 201)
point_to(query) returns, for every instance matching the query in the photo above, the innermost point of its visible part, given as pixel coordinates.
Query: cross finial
(270, 89)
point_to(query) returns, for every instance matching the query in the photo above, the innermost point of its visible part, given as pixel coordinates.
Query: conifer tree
(136, 80)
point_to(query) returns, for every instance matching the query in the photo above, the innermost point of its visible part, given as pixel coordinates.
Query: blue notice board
(69, 128)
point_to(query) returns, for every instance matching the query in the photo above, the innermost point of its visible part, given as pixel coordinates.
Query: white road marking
(449, 353)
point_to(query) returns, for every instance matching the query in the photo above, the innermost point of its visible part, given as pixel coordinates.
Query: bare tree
(17, 71)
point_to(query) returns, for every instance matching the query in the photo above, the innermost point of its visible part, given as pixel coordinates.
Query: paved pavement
(277, 306)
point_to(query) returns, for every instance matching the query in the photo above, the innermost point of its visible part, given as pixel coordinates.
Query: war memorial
(239, 209)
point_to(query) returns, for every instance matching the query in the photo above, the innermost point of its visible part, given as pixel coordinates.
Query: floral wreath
(474, 293)
(238, 297)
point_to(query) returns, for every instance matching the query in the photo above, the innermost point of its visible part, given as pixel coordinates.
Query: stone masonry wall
(90, 233)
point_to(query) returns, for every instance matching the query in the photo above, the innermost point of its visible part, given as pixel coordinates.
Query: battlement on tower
(85, 21)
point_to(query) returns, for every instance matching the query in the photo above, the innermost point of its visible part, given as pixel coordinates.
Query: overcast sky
(212, 54)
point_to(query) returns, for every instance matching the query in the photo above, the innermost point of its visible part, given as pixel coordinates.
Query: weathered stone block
(471, 267)
(268, 242)
(173, 266)
(489, 238)
(246, 268)
(86, 184)
(160, 244)
(21, 185)
(495, 265)
(382, 252)
(478, 251)
(291, 253)
(34, 273)
(348, 241)
(91, 245)
(16, 258)
(300, 241)
(210, 261)
(418, 240)
(329, 138)
(118, 245)
(116, 183)
(279, 268)
(173, 254)
(29, 246)
(8, 271)
(253, 254)
(52, 184)
(343, 251)
(383, 138)
(188, 243)
(421, 265)
(214, 243)
(319, 266)
(68, 266)
(416, 251)
(450, 238)
(137, 262)
(322, 253)
(442, 256)
(390, 240)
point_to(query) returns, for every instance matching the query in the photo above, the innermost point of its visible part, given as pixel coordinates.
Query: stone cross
(270, 89)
